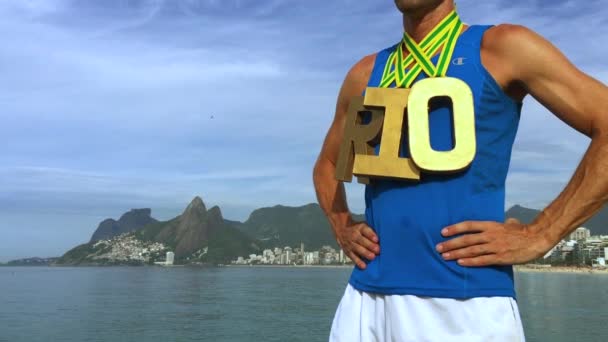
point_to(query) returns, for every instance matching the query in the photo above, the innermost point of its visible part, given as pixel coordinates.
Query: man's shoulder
(511, 52)
(363, 67)
(366, 64)
(505, 37)
(360, 72)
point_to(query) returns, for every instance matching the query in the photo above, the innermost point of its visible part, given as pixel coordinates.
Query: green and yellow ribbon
(444, 35)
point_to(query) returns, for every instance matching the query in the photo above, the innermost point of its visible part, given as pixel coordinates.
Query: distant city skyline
(114, 105)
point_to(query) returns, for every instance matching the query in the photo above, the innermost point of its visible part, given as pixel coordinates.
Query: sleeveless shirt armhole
(381, 58)
(489, 79)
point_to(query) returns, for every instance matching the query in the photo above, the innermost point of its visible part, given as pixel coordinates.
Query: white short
(366, 317)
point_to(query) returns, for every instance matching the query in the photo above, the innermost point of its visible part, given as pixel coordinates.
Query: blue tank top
(408, 216)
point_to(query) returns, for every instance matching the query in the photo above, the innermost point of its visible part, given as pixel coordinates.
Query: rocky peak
(193, 218)
(135, 215)
(130, 221)
(196, 205)
(192, 230)
(215, 213)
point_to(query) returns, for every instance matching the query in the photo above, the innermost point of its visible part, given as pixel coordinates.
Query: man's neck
(419, 23)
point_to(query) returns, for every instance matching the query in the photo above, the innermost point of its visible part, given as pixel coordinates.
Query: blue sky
(108, 105)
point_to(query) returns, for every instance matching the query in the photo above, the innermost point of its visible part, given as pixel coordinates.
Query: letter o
(461, 156)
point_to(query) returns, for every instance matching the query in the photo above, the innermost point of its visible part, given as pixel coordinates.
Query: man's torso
(408, 215)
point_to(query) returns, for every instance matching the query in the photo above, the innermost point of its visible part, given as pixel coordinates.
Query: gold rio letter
(356, 154)
(463, 153)
(387, 163)
(358, 139)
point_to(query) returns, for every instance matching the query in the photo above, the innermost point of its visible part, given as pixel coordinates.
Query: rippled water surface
(244, 304)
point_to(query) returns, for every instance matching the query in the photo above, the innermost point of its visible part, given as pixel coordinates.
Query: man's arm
(355, 238)
(530, 64)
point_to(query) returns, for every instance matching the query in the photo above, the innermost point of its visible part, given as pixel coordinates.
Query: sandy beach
(559, 269)
(292, 266)
(516, 268)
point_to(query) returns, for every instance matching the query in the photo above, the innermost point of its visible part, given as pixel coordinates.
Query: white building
(268, 254)
(309, 258)
(288, 256)
(581, 233)
(170, 258)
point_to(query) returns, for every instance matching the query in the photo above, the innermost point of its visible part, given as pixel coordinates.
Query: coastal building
(170, 258)
(309, 258)
(288, 256)
(328, 258)
(580, 233)
(315, 256)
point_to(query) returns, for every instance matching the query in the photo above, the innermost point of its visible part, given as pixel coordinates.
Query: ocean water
(244, 304)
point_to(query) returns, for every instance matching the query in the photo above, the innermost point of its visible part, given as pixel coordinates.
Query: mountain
(197, 228)
(197, 235)
(598, 224)
(128, 222)
(525, 215)
(280, 226)
(201, 235)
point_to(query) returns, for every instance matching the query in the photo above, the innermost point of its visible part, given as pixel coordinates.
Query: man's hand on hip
(492, 243)
(358, 241)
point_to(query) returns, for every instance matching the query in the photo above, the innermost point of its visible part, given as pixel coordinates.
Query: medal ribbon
(444, 35)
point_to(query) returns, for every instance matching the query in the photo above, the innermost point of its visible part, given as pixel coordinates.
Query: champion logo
(458, 61)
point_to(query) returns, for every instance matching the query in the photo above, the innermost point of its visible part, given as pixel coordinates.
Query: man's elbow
(599, 129)
(322, 167)
(317, 170)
